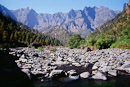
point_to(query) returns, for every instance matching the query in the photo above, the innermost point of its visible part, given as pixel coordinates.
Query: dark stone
(36, 55)
(57, 74)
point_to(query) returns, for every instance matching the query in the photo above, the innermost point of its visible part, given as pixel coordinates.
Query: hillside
(59, 33)
(14, 34)
(113, 34)
(75, 21)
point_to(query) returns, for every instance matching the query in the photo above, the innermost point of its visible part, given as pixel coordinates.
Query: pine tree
(15, 36)
(11, 37)
(5, 36)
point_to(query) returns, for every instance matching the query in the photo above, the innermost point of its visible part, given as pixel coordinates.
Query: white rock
(23, 60)
(76, 64)
(95, 67)
(73, 75)
(27, 71)
(85, 75)
(56, 73)
(99, 75)
(23, 56)
(113, 72)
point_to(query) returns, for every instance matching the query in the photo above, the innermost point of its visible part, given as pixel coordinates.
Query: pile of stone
(106, 62)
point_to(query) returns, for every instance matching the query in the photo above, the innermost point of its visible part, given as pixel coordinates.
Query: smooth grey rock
(87, 49)
(95, 66)
(76, 64)
(57, 74)
(36, 55)
(99, 75)
(27, 72)
(73, 75)
(125, 67)
(23, 60)
(84, 75)
(113, 72)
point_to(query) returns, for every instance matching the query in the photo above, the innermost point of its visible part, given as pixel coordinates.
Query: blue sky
(53, 6)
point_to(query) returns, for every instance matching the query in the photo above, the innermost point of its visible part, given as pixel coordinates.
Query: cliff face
(75, 21)
(128, 8)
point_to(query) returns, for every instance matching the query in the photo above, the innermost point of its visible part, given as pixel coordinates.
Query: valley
(79, 48)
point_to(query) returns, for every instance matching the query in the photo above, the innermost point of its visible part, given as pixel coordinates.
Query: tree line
(14, 34)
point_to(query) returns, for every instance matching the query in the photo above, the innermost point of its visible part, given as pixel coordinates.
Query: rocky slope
(6, 11)
(76, 21)
(59, 33)
(103, 63)
(114, 33)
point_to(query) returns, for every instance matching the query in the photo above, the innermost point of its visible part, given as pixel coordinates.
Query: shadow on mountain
(10, 74)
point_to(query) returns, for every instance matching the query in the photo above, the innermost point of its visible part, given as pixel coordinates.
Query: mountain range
(75, 21)
(112, 34)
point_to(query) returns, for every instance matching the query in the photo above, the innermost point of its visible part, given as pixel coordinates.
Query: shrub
(32, 47)
(123, 42)
(40, 48)
(29, 46)
(75, 41)
(91, 41)
(53, 49)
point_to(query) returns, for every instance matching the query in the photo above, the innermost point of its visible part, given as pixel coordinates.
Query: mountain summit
(75, 21)
(114, 33)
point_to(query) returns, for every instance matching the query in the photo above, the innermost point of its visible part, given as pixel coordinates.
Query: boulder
(100, 76)
(125, 67)
(57, 74)
(76, 64)
(27, 72)
(23, 56)
(73, 75)
(36, 55)
(95, 66)
(23, 60)
(113, 72)
(87, 49)
(84, 75)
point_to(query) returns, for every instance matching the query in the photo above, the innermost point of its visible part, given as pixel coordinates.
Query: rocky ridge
(106, 62)
(75, 21)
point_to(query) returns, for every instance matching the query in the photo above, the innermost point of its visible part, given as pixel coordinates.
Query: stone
(76, 64)
(100, 76)
(105, 68)
(125, 67)
(27, 72)
(57, 74)
(36, 55)
(73, 75)
(113, 72)
(84, 75)
(23, 56)
(94, 72)
(23, 60)
(87, 49)
(95, 66)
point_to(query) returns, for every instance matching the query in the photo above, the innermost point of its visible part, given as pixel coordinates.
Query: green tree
(5, 36)
(16, 36)
(75, 41)
(11, 37)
